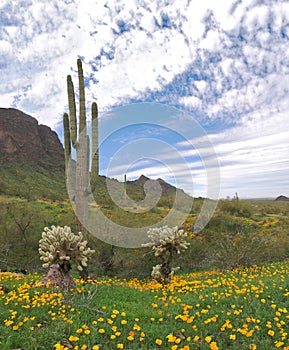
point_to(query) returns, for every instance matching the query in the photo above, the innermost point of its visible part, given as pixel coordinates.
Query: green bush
(236, 207)
(228, 250)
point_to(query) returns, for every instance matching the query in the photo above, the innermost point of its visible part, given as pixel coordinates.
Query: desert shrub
(118, 261)
(156, 210)
(236, 207)
(21, 223)
(167, 201)
(242, 248)
(197, 255)
(224, 222)
(197, 205)
(272, 207)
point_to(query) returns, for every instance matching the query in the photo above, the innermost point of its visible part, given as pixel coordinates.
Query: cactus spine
(60, 245)
(75, 135)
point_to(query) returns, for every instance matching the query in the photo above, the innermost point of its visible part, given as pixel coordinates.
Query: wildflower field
(244, 308)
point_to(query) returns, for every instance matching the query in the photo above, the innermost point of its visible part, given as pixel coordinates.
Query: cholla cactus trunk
(166, 268)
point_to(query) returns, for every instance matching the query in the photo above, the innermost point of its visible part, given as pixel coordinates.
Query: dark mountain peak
(22, 138)
(141, 180)
(167, 189)
(282, 198)
(13, 113)
(31, 158)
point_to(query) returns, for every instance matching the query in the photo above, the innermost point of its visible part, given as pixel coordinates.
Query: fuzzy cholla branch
(59, 244)
(158, 272)
(165, 238)
(165, 242)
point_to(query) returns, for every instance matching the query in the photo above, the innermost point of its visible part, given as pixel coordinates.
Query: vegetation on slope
(32, 181)
(229, 239)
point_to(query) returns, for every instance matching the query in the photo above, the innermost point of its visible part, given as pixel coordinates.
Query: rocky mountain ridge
(23, 139)
(31, 158)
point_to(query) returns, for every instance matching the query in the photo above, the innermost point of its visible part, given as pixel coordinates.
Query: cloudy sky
(223, 65)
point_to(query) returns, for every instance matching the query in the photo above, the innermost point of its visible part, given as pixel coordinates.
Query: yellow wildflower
(159, 341)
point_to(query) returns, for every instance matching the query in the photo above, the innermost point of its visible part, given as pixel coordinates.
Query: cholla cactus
(157, 272)
(165, 242)
(59, 244)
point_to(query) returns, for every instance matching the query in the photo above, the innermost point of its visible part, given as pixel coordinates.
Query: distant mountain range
(32, 162)
(282, 198)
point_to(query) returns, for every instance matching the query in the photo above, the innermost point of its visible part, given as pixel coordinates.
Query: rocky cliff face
(22, 138)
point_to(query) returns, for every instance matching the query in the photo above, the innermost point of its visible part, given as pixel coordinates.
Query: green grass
(234, 309)
(32, 181)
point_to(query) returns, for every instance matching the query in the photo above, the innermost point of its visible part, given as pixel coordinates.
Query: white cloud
(226, 62)
(191, 102)
(253, 161)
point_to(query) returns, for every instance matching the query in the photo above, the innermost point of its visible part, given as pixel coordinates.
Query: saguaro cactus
(76, 136)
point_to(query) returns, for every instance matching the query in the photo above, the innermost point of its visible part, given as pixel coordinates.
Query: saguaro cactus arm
(72, 110)
(67, 142)
(82, 109)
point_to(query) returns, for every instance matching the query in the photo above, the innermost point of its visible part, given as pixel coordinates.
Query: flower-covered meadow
(243, 308)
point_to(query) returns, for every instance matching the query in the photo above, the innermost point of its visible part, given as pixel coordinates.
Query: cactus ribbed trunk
(95, 151)
(81, 196)
(76, 136)
(82, 159)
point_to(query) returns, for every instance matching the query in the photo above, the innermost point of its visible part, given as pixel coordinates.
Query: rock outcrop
(21, 137)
